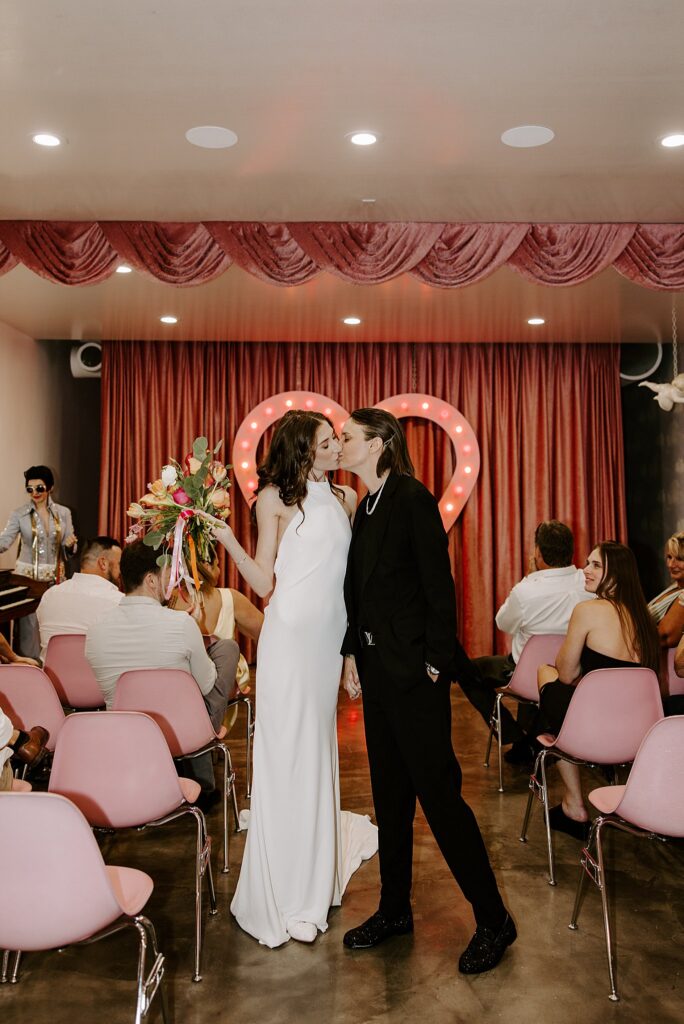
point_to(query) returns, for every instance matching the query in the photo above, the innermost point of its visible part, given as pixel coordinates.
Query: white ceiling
(439, 80)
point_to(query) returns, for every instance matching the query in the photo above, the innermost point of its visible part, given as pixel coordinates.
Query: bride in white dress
(300, 850)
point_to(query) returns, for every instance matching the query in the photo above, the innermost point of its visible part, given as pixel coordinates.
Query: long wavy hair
(395, 454)
(620, 585)
(291, 455)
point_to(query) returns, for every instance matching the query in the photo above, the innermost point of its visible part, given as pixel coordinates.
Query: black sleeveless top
(591, 660)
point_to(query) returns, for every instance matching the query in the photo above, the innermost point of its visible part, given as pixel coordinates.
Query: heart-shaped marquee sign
(460, 432)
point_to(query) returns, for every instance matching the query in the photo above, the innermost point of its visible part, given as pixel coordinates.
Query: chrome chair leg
(202, 864)
(533, 784)
(610, 952)
(148, 983)
(489, 743)
(499, 697)
(547, 821)
(585, 870)
(15, 970)
(5, 965)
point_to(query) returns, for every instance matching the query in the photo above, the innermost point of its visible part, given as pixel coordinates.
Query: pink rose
(180, 497)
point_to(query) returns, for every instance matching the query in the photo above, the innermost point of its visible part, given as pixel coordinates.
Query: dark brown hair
(290, 456)
(555, 542)
(395, 455)
(137, 559)
(620, 585)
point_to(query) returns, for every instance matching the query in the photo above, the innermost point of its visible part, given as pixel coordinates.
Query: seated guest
(141, 632)
(10, 657)
(666, 609)
(73, 606)
(541, 603)
(675, 705)
(222, 612)
(26, 747)
(615, 631)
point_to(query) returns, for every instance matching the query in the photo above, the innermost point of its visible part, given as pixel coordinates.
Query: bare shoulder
(269, 501)
(587, 612)
(349, 500)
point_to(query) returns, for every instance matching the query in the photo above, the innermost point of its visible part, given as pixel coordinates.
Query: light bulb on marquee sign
(459, 431)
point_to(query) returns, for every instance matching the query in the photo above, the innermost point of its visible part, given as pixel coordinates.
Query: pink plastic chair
(28, 698)
(117, 769)
(651, 804)
(611, 711)
(675, 683)
(173, 699)
(57, 890)
(71, 674)
(522, 686)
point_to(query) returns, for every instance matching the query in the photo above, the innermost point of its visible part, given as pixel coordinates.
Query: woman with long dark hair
(614, 631)
(300, 850)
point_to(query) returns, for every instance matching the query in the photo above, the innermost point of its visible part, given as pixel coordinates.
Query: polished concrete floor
(550, 974)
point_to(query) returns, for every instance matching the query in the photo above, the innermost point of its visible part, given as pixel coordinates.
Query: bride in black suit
(399, 648)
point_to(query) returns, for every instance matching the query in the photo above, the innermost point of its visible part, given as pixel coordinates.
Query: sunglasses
(38, 489)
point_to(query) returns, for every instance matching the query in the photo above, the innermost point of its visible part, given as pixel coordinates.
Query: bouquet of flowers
(169, 516)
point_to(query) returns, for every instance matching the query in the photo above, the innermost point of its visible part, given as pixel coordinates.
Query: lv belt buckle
(368, 639)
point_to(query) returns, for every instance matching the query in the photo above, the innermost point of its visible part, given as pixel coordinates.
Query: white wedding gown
(300, 850)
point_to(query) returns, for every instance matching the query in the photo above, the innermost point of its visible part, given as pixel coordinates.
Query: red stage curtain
(547, 419)
(441, 255)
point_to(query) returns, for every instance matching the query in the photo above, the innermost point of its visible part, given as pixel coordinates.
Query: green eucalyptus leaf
(199, 448)
(164, 560)
(153, 540)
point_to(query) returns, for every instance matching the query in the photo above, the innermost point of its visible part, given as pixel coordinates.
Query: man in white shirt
(73, 606)
(142, 633)
(541, 603)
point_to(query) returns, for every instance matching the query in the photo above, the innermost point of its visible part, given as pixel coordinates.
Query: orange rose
(158, 489)
(220, 498)
(192, 463)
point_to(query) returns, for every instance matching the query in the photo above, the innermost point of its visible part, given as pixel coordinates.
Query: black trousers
(408, 736)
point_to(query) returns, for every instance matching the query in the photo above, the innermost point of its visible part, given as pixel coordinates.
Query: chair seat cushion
(547, 740)
(607, 798)
(190, 789)
(21, 786)
(132, 888)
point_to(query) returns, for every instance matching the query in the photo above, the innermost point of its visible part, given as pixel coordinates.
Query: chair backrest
(611, 711)
(675, 683)
(28, 698)
(539, 650)
(116, 768)
(654, 795)
(173, 699)
(55, 888)
(70, 671)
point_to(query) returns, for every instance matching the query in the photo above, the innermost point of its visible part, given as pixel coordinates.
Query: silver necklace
(369, 510)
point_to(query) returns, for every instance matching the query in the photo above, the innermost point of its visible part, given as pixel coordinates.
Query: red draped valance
(440, 255)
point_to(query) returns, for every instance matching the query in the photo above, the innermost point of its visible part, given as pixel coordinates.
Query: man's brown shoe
(32, 750)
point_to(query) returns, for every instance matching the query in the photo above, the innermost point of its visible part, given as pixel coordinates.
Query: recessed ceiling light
(535, 321)
(45, 139)
(363, 138)
(527, 135)
(169, 319)
(672, 141)
(352, 321)
(209, 136)
(123, 269)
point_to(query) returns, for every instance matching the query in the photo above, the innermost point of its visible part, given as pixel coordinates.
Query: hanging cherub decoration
(667, 395)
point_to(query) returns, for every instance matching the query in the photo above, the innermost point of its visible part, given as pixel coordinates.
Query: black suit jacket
(407, 585)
